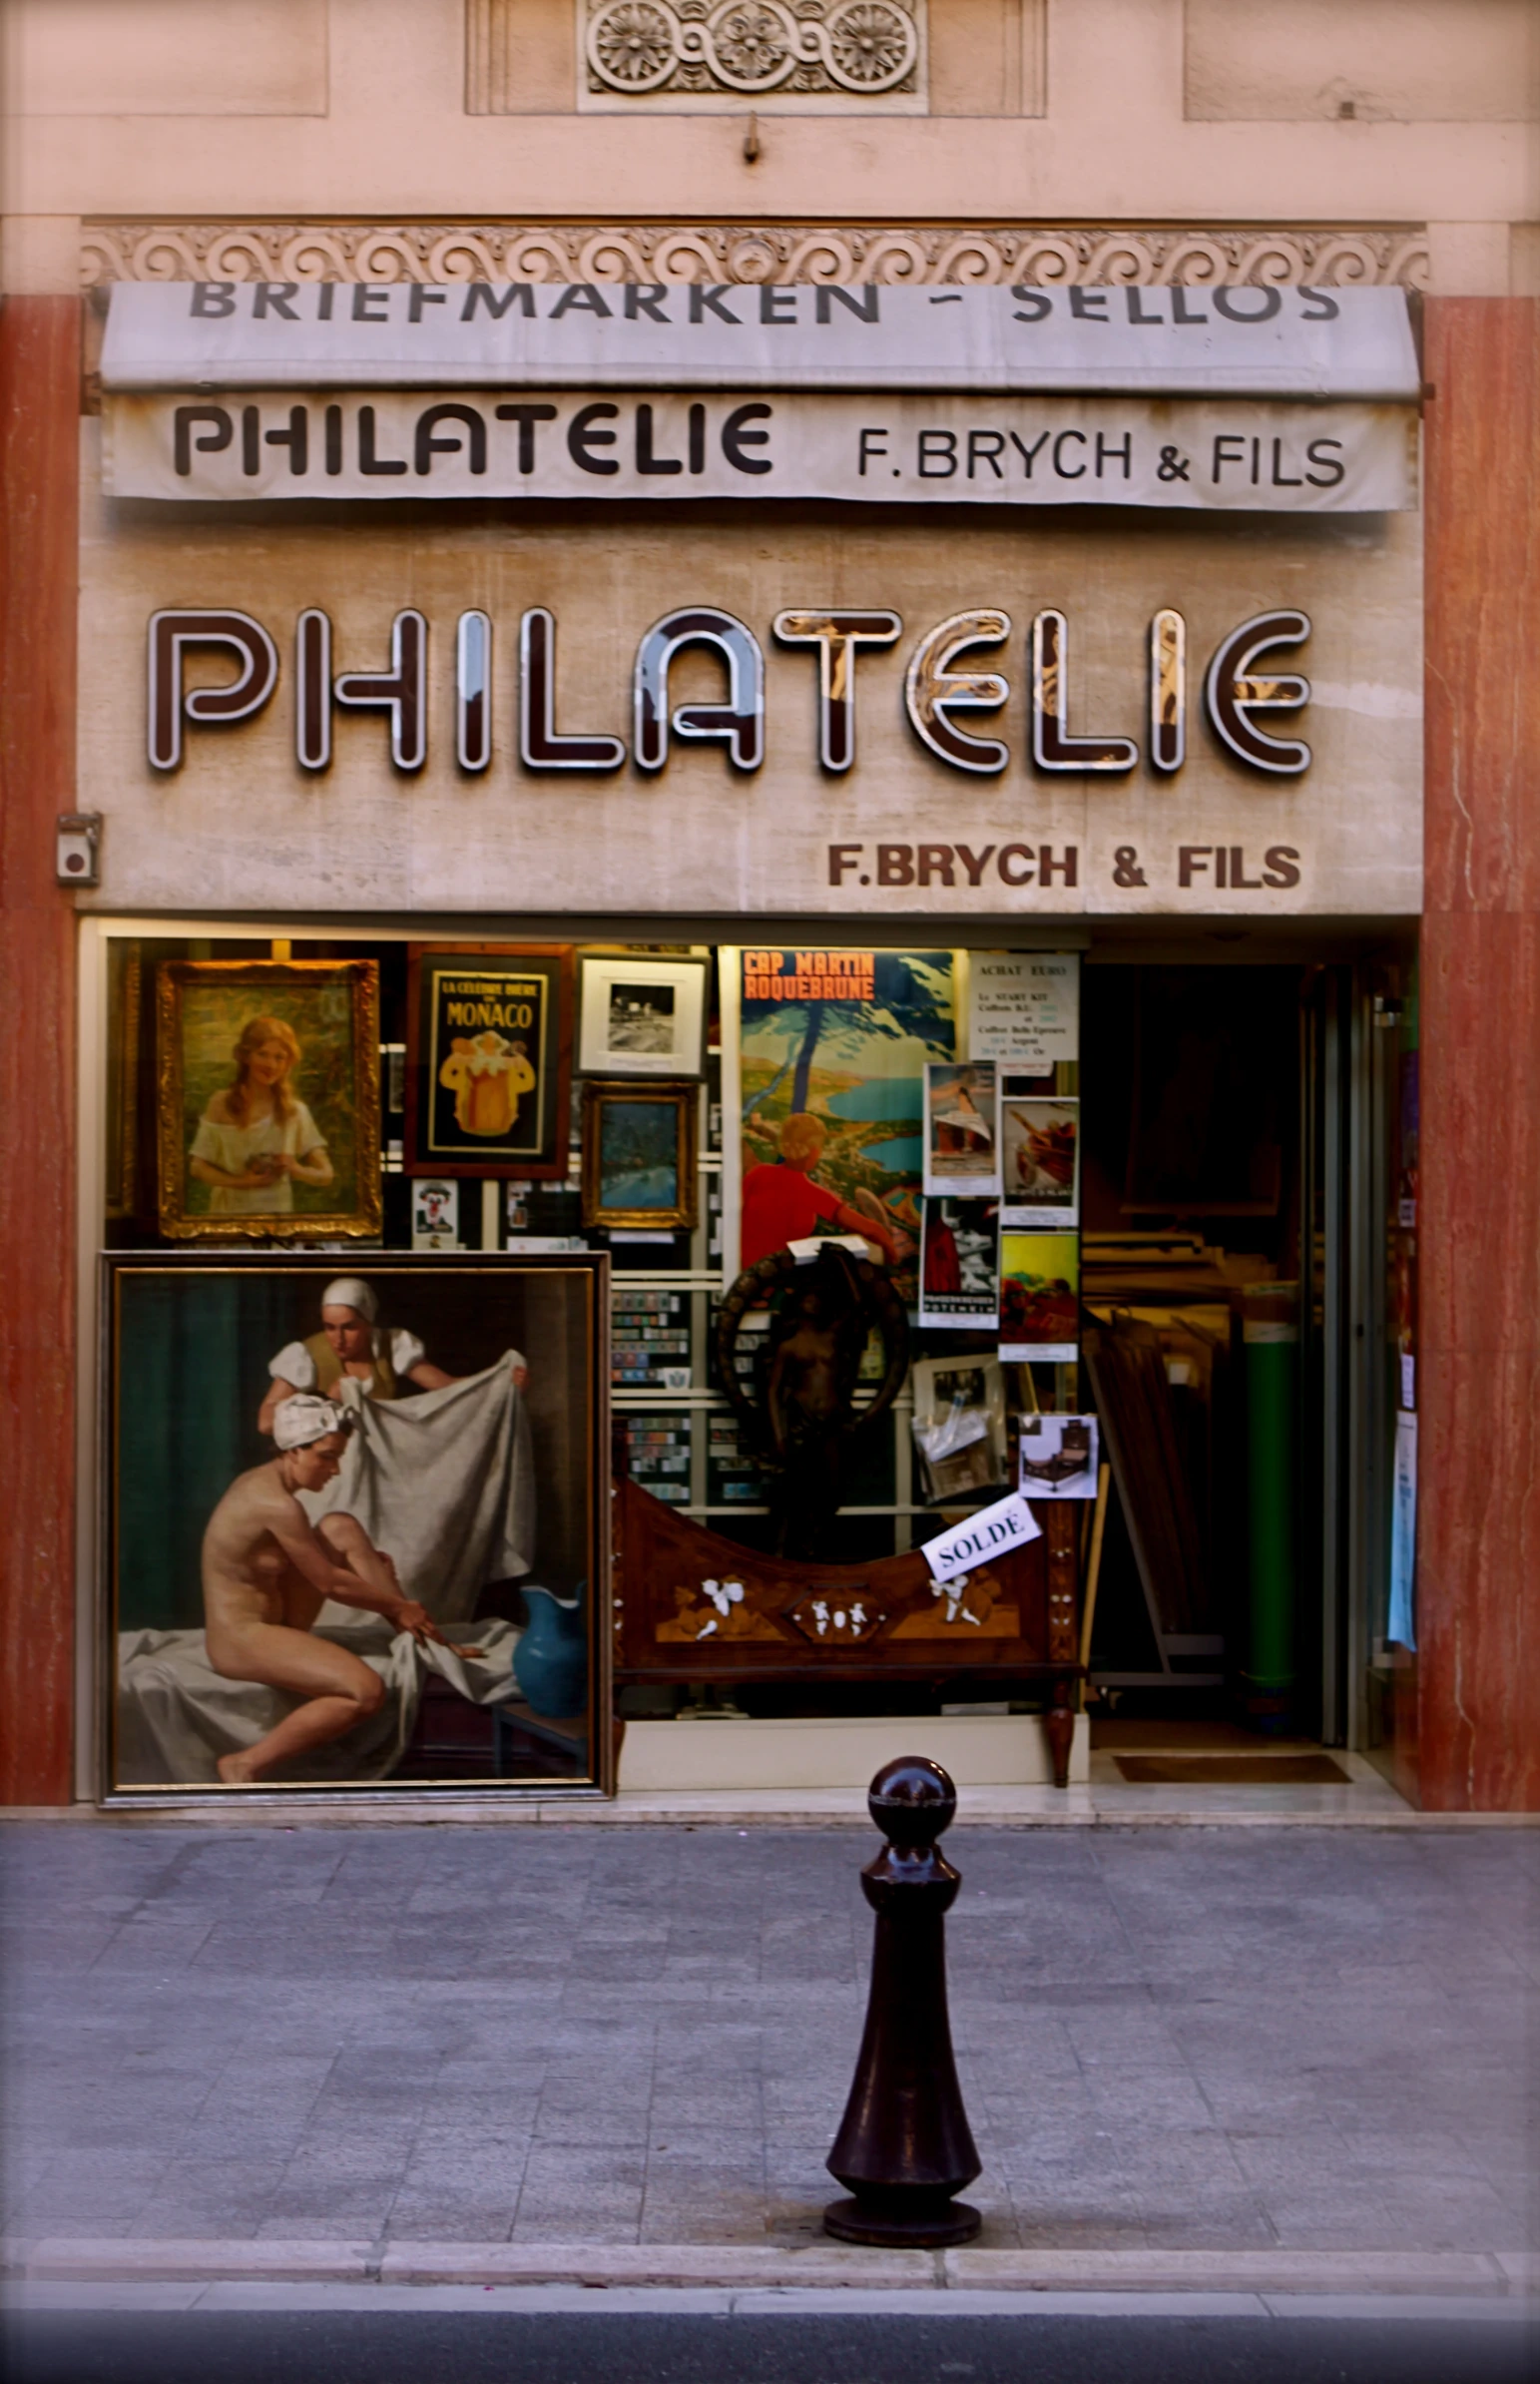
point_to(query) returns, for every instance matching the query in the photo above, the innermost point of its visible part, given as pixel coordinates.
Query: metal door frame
(1348, 1076)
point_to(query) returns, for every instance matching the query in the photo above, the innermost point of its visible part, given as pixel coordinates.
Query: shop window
(493, 1161)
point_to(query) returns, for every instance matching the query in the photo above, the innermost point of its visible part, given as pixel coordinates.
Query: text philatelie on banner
(1204, 455)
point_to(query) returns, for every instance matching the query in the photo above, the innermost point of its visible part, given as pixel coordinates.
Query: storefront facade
(1263, 738)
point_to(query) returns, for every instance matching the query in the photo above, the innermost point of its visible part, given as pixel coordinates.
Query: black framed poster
(488, 1058)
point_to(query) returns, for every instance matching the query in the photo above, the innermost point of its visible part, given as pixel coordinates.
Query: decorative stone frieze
(1043, 254)
(848, 49)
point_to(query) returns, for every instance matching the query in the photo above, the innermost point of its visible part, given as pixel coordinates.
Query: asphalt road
(351, 2347)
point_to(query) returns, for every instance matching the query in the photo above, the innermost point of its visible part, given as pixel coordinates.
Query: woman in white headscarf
(352, 1341)
(463, 1453)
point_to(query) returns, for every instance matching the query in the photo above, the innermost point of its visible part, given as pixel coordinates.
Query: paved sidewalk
(1242, 2040)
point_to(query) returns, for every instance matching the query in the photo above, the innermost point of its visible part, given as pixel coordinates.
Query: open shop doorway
(1240, 1349)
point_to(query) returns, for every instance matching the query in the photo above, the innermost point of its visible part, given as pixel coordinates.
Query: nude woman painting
(266, 1572)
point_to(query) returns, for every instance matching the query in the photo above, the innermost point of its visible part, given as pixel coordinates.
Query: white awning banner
(1252, 340)
(1216, 455)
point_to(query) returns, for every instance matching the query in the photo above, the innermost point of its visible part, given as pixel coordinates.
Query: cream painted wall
(1418, 61)
(171, 57)
(357, 109)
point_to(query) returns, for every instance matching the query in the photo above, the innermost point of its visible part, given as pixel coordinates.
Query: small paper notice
(993, 1532)
(1024, 1009)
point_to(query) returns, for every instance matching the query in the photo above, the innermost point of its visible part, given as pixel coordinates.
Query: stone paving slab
(1270, 2271)
(1238, 2041)
(730, 2265)
(1367, 1802)
(62, 2260)
(740, 2267)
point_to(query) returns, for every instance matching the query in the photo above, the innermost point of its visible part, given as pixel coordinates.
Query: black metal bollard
(905, 2148)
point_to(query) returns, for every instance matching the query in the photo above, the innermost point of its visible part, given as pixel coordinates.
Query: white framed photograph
(1060, 1457)
(642, 1018)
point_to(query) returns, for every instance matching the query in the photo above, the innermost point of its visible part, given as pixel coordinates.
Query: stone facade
(747, 251)
(844, 51)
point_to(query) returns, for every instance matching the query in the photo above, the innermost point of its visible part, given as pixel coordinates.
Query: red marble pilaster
(39, 543)
(1478, 1373)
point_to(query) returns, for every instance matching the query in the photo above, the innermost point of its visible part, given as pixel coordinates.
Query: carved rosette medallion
(871, 46)
(752, 49)
(631, 46)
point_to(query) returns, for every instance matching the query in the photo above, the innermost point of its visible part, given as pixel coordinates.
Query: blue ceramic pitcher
(550, 1662)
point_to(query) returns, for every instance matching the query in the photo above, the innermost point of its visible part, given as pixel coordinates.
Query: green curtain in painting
(185, 1407)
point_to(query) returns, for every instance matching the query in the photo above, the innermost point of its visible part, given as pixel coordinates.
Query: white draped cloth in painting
(443, 1483)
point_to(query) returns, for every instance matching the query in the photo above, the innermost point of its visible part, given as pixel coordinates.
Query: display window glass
(800, 1336)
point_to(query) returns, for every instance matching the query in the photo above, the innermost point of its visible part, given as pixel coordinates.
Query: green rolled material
(1272, 1339)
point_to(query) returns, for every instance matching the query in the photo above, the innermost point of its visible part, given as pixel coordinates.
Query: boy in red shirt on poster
(782, 1203)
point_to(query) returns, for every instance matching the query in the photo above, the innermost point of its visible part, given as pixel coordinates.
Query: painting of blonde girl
(257, 1139)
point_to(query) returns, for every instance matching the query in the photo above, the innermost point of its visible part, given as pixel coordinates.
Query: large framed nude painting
(355, 1529)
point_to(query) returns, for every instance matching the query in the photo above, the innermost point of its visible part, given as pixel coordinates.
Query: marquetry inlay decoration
(1042, 255)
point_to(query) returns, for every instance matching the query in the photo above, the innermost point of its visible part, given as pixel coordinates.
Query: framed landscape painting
(639, 1156)
(356, 1525)
(268, 1100)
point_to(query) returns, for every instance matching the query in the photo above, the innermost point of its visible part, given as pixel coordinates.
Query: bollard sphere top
(911, 1800)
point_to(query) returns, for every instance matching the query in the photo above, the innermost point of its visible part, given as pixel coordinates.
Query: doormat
(1233, 1771)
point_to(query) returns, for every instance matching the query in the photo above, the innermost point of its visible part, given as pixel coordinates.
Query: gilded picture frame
(465, 1413)
(639, 1154)
(125, 992)
(268, 1100)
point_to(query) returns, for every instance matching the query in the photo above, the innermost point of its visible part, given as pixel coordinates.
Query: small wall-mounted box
(78, 845)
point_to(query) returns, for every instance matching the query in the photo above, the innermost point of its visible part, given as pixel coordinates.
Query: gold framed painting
(639, 1154)
(124, 979)
(268, 1100)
